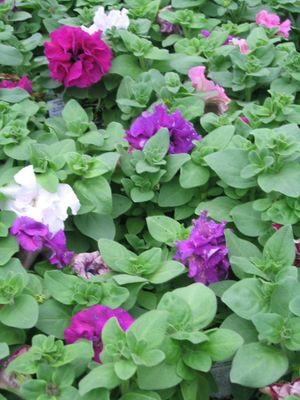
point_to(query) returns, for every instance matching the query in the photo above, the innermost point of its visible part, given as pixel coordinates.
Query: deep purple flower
(57, 245)
(182, 132)
(88, 265)
(166, 26)
(205, 252)
(29, 233)
(89, 323)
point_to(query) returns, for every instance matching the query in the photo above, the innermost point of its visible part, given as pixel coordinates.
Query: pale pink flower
(216, 98)
(273, 21)
(281, 391)
(242, 43)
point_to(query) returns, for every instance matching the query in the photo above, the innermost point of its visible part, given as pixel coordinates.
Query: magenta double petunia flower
(35, 236)
(269, 20)
(205, 252)
(89, 323)
(182, 132)
(23, 83)
(77, 58)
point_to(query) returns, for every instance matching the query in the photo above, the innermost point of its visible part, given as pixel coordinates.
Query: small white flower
(103, 21)
(27, 198)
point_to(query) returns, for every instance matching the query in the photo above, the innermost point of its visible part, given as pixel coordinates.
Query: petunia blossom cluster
(214, 95)
(205, 252)
(27, 198)
(23, 83)
(89, 323)
(281, 391)
(77, 58)
(103, 21)
(34, 236)
(269, 20)
(182, 133)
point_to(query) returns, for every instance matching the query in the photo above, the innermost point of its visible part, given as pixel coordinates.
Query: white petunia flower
(27, 198)
(103, 21)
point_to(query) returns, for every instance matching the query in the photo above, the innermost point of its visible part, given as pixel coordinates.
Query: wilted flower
(35, 236)
(23, 83)
(88, 265)
(205, 252)
(77, 58)
(182, 132)
(28, 199)
(103, 21)
(89, 323)
(217, 99)
(11, 381)
(29, 233)
(273, 21)
(241, 43)
(166, 26)
(280, 391)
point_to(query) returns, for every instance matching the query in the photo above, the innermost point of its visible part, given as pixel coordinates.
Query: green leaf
(54, 318)
(10, 56)
(197, 359)
(168, 271)
(280, 247)
(222, 344)
(257, 365)
(286, 181)
(61, 286)
(103, 376)
(163, 229)
(115, 255)
(13, 95)
(9, 246)
(294, 305)
(173, 195)
(193, 175)
(4, 350)
(75, 117)
(157, 147)
(23, 313)
(11, 335)
(95, 194)
(269, 326)
(219, 138)
(124, 369)
(219, 208)
(140, 395)
(242, 326)
(160, 377)
(187, 3)
(248, 221)
(125, 65)
(228, 164)
(95, 226)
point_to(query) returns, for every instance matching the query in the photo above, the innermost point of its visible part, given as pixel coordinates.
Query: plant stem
(28, 258)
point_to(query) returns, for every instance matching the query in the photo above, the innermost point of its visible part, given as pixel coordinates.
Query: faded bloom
(166, 26)
(23, 83)
(182, 132)
(27, 198)
(88, 265)
(89, 323)
(103, 21)
(77, 58)
(205, 252)
(216, 99)
(280, 391)
(11, 381)
(35, 236)
(29, 233)
(241, 43)
(273, 21)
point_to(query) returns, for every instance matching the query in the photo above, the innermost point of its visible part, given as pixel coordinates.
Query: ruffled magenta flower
(280, 391)
(205, 252)
(89, 323)
(88, 265)
(216, 99)
(59, 254)
(29, 233)
(23, 83)
(35, 236)
(182, 132)
(166, 26)
(77, 58)
(273, 21)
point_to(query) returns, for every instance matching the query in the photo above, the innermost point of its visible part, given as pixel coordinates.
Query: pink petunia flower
(23, 83)
(217, 101)
(273, 21)
(242, 43)
(281, 391)
(89, 323)
(77, 58)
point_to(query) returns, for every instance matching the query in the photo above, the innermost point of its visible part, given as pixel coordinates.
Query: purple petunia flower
(29, 233)
(205, 252)
(205, 33)
(182, 132)
(166, 26)
(35, 236)
(89, 323)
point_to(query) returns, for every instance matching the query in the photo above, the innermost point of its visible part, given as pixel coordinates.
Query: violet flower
(88, 265)
(182, 132)
(166, 26)
(89, 323)
(59, 254)
(205, 252)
